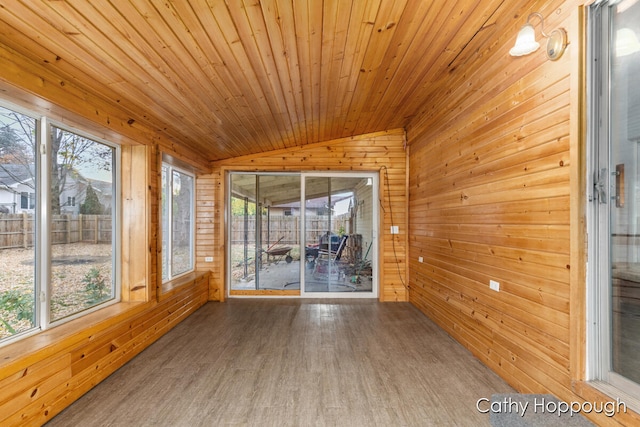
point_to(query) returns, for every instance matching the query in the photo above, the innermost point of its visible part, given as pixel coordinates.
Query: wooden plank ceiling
(231, 78)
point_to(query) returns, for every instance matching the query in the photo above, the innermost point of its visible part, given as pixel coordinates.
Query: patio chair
(327, 260)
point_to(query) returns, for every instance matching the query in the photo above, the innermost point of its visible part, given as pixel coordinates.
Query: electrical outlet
(394, 229)
(494, 285)
(420, 259)
(208, 259)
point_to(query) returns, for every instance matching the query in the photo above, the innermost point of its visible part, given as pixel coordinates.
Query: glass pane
(181, 223)
(625, 186)
(242, 235)
(165, 222)
(17, 211)
(81, 223)
(339, 234)
(279, 232)
(265, 232)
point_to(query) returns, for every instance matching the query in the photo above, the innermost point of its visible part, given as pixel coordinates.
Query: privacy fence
(286, 229)
(17, 230)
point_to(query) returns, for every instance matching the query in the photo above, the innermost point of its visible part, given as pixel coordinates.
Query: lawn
(80, 278)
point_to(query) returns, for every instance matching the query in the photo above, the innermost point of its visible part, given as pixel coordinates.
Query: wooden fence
(17, 230)
(283, 228)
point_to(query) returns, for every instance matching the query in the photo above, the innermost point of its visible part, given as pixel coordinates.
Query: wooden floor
(295, 362)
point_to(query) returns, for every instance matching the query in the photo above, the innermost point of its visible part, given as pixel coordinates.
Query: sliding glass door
(614, 257)
(333, 215)
(264, 232)
(339, 234)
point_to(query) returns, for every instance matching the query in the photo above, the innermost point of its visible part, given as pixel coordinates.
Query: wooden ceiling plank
(183, 73)
(477, 77)
(232, 74)
(226, 30)
(279, 24)
(249, 25)
(66, 57)
(439, 83)
(405, 55)
(106, 31)
(301, 42)
(360, 29)
(377, 45)
(196, 41)
(240, 118)
(233, 78)
(308, 24)
(124, 40)
(452, 44)
(250, 124)
(335, 33)
(430, 49)
(329, 12)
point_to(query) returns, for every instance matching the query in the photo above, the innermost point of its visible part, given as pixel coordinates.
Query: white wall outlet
(394, 229)
(420, 259)
(208, 259)
(494, 285)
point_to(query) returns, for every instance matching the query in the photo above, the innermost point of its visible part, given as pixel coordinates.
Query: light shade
(525, 42)
(626, 42)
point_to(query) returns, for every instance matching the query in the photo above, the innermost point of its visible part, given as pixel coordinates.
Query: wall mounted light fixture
(526, 41)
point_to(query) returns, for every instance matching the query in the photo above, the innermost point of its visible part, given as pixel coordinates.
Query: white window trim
(116, 224)
(42, 236)
(192, 215)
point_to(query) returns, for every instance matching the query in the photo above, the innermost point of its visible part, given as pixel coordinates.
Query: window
(178, 200)
(59, 264)
(82, 267)
(27, 200)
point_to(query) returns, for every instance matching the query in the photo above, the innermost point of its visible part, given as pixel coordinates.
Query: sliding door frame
(375, 233)
(373, 176)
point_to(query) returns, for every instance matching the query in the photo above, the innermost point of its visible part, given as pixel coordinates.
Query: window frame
(171, 167)
(116, 224)
(599, 371)
(42, 284)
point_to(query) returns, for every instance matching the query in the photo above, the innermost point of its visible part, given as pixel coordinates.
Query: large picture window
(178, 195)
(59, 259)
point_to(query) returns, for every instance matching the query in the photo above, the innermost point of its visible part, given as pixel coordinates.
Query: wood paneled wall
(210, 241)
(490, 190)
(383, 152)
(42, 375)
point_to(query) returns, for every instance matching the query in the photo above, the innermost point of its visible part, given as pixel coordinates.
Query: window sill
(25, 351)
(176, 285)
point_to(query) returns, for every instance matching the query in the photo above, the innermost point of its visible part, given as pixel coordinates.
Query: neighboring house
(314, 207)
(17, 188)
(104, 190)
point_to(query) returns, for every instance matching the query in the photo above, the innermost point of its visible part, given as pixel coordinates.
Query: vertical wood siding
(490, 193)
(372, 152)
(489, 200)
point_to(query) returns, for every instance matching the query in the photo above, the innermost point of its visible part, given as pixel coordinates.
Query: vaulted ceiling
(230, 78)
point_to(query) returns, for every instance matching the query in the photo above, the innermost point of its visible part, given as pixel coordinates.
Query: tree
(237, 207)
(17, 148)
(68, 152)
(12, 150)
(91, 204)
